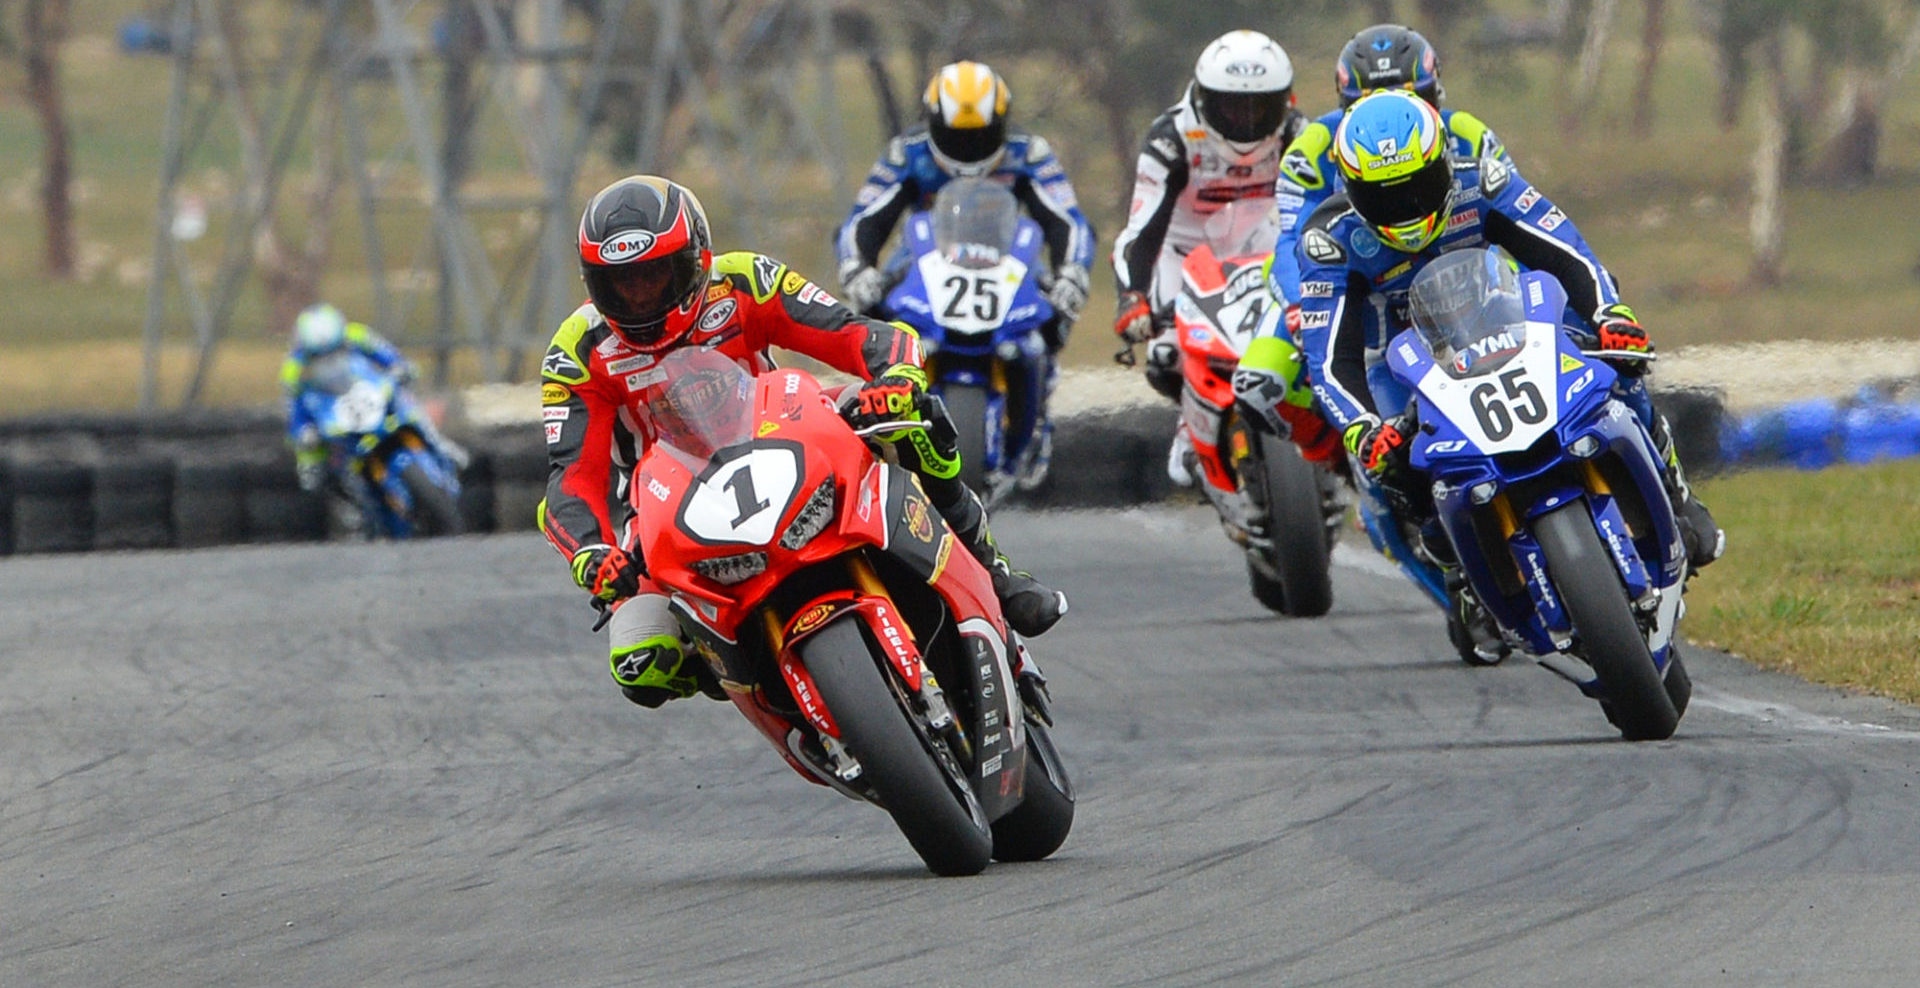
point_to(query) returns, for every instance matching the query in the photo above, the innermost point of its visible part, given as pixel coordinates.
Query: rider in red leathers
(654, 284)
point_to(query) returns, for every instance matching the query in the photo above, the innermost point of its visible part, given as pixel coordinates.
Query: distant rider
(1384, 56)
(966, 135)
(1220, 144)
(1407, 201)
(317, 331)
(654, 284)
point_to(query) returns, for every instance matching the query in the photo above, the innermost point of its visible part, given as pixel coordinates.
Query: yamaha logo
(626, 246)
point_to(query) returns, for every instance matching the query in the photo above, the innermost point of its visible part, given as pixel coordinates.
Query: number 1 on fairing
(741, 484)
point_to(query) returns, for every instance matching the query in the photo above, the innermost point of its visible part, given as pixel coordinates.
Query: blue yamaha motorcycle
(971, 288)
(404, 479)
(1548, 489)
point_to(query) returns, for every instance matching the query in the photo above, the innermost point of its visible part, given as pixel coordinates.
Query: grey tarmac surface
(375, 765)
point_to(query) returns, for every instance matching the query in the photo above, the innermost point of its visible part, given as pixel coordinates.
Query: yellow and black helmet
(966, 106)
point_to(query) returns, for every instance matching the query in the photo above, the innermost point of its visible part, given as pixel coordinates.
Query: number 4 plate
(740, 498)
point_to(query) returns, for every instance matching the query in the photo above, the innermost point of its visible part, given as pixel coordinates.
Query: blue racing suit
(1353, 288)
(1309, 176)
(907, 177)
(302, 430)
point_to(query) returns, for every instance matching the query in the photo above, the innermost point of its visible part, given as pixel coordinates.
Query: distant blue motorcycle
(1548, 488)
(385, 454)
(971, 288)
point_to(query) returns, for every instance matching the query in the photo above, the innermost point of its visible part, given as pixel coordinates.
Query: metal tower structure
(413, 108)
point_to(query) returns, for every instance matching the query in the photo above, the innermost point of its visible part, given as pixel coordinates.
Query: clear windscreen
(335, 373)
(702, 401)
(1466, 306)
(1243, 228)
(974, 222)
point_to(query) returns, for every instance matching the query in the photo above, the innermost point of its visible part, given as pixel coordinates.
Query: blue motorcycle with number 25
(1549, 489)
(388, 459)
(972, 289)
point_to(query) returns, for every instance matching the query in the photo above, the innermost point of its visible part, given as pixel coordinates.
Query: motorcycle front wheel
(1610, 640)
(435, 512)
(1301, 582)
(967, 407)
(926, 792)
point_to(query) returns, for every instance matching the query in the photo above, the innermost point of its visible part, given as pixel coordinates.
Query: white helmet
(319, 328)
(1243, 86)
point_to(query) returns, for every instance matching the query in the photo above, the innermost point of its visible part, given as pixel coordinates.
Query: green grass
(1667, 212)
(1821, 577)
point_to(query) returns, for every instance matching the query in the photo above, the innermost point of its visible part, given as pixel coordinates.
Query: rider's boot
(1181, 459)
(1163, 365)
(1031, 607)
(648, 658)
(1704, 540)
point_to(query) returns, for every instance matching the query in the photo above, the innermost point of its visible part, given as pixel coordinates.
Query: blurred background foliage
(1748, 168)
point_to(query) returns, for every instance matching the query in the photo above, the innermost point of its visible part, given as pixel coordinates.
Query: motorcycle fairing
(1533, 473)
(376, 428)
(1005, 355)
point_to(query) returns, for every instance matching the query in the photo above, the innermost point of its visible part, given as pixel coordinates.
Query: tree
(43, 29)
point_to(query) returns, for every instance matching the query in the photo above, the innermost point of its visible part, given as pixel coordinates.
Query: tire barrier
(209, 503)
(276, 509)
(52, 506)
(132, 503)
(187, 483)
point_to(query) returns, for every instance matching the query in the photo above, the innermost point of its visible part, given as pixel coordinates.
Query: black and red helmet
(1388, 56)
(645, 253)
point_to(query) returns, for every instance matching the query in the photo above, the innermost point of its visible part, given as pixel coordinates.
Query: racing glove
(864, 289)
(1381, 447)
(1069, 293)
(1623, 343)
(894, 395)
(1134, 323)
(606, 572)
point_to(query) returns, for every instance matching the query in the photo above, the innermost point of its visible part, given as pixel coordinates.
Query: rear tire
(1610, 638)
(967, 407)
(435, 512)
(943, 821)
(1039, 825)
(1298, 530)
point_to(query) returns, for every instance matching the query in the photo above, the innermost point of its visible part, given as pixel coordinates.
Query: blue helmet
(1392, 150)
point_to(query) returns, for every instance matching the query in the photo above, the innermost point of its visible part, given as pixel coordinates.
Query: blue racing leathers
(301, 429)
(1309, 176)
(907, 177)
(1353, 288)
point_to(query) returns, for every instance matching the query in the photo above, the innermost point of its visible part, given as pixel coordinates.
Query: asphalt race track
(375, 765)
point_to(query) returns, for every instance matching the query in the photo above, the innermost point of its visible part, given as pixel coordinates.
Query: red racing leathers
(591, 382)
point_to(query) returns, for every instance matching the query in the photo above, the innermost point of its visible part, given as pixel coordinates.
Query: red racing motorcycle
(842, 615)
(1277, 497)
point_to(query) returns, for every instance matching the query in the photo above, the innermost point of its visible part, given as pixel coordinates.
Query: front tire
(435, 512)
(938, 813)
(1610, 639)
(1297, 528)
(967, 407)
(1039, 825)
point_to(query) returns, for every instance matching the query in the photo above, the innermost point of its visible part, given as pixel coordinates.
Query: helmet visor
(1402, 201)
(1243, 117)
(636, 297)
(969, 145)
